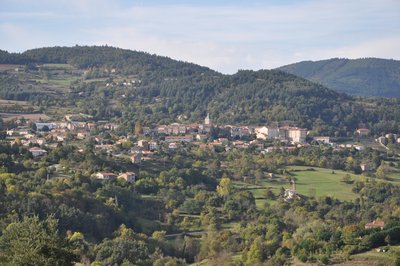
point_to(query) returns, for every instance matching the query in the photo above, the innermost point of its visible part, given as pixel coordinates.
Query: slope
(128, 86)
(364, 77)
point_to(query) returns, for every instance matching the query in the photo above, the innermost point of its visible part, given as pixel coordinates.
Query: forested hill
(82, 57)
(155, 90)
(364, 77)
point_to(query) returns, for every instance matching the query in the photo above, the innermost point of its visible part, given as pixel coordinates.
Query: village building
(297, 135)
(375, 224)
(362, 132)
(106, 176)
(136, 150)
(39, 141)
(365, 167)
(284, 148)
(29, 136)
(49, 126)
(37, 151)
(267, 132)
(186, 138)
(144, 144)
(162, 129)
(136, 158)
(290, 193)
(173, 146)
(207, 120)
(60, 137)
(201, 137)
(19, 131)
(204, 129)
(128, 176)
(82, 135)
(359, 147)
(239, 132)
(240, 144)
(153, 145)
(322, 140)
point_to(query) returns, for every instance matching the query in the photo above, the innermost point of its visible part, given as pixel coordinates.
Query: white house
(297, 134)
(322, 139)
(40, 125)
(267, 132)
(37, 151)
(105, 176)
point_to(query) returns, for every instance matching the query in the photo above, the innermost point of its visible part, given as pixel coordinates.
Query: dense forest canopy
(363, 77)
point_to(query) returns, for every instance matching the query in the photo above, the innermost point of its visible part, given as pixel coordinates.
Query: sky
(223, 35)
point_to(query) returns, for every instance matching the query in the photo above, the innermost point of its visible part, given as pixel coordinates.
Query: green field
(309, 181)
(323, 181)
(58, 81)
(373, 257)
(57, 66)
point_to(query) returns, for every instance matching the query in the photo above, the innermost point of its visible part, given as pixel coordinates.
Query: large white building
(293, 134)
(269, 132)
(296, 134)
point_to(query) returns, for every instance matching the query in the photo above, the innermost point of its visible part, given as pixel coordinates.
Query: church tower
(207, 120)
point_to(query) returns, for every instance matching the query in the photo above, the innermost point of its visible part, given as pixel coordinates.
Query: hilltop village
(146, 143)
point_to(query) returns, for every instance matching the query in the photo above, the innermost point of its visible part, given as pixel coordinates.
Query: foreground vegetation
(190, 209)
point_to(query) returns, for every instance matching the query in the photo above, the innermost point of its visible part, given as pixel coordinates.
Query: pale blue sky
(221, 34)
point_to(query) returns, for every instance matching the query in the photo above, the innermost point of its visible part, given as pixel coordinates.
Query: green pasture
(324, 182)
(314, 181)
(57, 66)
(373, 257)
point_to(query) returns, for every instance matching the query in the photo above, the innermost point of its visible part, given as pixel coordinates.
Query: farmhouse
(322, 139)
(128, 176)
(362, 132)
(365, 167)
(375, 224)
(105, 176)
(37, 151)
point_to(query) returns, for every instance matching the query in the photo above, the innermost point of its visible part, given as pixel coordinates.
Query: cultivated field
(9, 116)
(11, 102)
(4, 67)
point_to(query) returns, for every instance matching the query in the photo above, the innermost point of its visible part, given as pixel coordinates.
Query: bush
(324, 259)
(303, 258)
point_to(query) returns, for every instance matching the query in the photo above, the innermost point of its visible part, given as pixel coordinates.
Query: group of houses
(168, 138)
(127, 176)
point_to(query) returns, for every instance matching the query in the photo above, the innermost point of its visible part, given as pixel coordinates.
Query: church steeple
(207, 120)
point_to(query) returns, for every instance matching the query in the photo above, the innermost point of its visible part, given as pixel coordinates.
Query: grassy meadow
(310, 181)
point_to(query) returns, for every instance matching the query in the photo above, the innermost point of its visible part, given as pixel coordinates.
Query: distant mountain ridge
(362, 77)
